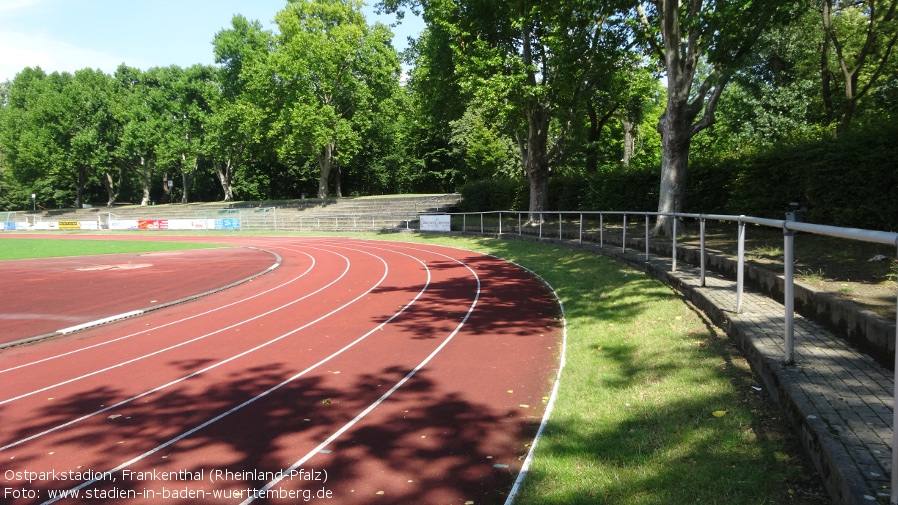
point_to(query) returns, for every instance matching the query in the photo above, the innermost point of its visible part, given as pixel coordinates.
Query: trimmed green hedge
(850, 181)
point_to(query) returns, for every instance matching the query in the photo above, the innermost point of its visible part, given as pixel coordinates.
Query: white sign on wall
(435, 222)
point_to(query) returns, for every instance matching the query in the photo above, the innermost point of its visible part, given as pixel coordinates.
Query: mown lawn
(14, 248)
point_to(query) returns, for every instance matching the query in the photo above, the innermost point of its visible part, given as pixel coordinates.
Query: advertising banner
(187, 224)
(126, 224)
(152, 224)
(69, 225)
(227, 224)
(435, 223)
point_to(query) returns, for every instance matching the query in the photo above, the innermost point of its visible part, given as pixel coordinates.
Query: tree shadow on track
(432, 437)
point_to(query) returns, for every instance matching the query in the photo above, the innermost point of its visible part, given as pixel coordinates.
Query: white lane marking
(98, 322)
(550, 405)
(362, 414)
(264, 393)
(199, 372)
(180, 344)
(171, 323)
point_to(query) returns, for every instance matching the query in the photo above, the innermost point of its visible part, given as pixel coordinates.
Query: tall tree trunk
(187, 178)
(675, 141)
(325, 162)
(145, 172)
(224, 172)
(112, 181)
(629, 127)
(80, 182)
(535, 158)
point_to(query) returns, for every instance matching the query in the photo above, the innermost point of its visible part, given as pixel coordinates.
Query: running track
(362, 372)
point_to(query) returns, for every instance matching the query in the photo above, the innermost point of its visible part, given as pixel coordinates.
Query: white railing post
(481, 223)
(601, 230)
(789, 292)
(894, 498)
(581, 228)
(646, 236)
(701, 250)
(740, 266)
(673, 254)
(624, 235)
(520, 227)
(500, 222)
(559, 226)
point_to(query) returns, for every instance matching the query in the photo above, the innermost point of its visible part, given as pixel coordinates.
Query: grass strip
(14, 248)
(656, 405)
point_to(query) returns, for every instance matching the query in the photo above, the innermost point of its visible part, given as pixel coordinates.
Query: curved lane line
(138, 312)
(195, 339)
(171, 323)
(216, 365)
(263, 491)
(268, 391)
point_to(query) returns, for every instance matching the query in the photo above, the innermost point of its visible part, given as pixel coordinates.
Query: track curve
(357, 372)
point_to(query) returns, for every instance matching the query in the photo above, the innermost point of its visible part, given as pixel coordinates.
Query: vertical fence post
(894, 498)
(500, 223)
(464, 223)
(559, 226)
(740, 267)
(646, 236)
(481, 223)
(540, 225)
(624, 235)
(581, 228)
(520, 228)
(789, 292)
(601, 230)
(673, 254)
(701, 249)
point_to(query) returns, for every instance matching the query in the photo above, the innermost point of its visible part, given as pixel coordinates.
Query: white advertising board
(435, 222)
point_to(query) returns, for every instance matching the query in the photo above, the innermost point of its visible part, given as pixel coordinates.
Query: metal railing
(789, 228)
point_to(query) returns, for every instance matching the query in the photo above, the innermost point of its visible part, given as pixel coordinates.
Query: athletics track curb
(138, 312)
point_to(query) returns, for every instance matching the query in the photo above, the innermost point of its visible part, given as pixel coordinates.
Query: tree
(239, 123)
(861, 35)
(533, 63)
(188, 95)
(700, 44)
(57, 131)
(329, 70)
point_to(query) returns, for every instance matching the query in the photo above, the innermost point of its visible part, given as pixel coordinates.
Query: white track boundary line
(260, 492)
(195, 339)
(201, 371)
(260, 395)
(171, 323)
(550, 405)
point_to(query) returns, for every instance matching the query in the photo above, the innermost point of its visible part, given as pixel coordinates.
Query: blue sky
(67, 35)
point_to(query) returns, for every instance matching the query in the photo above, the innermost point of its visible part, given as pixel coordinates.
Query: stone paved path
(839, 399)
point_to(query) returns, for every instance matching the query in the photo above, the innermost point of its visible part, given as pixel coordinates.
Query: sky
(68, 35)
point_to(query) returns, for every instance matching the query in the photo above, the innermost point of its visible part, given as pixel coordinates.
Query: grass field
(23, 248)
(656, 406)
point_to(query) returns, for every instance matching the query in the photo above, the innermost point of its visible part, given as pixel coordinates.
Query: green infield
(25, 248)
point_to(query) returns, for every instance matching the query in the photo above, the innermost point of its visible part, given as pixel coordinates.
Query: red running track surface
(356, 372)
(43, 296)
